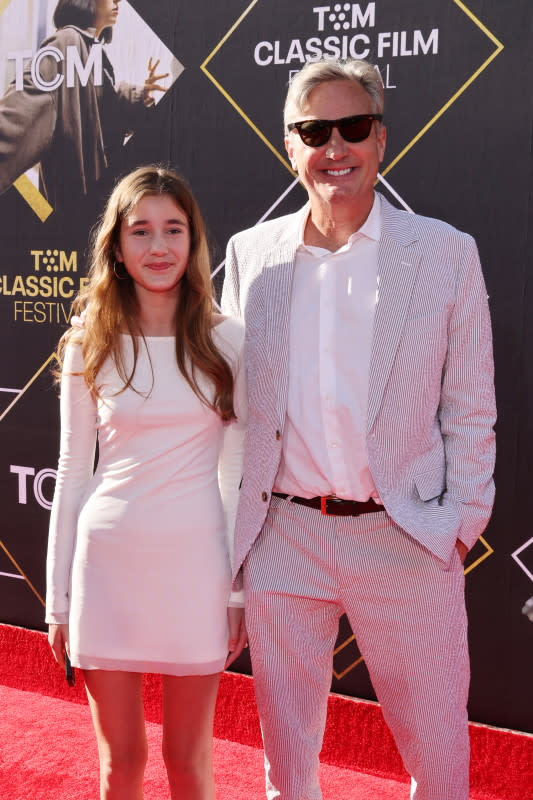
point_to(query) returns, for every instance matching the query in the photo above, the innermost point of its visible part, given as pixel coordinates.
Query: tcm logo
(73, 63)
(36, 485)
(347, 30)
(55, 260)
(346, 16)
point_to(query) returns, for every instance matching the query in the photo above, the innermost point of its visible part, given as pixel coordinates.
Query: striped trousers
(408, 615)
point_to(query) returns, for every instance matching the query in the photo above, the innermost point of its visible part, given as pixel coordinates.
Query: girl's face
(106, 14)
(154, 245)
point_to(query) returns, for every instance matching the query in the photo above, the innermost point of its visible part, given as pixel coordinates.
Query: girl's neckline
(167, 338)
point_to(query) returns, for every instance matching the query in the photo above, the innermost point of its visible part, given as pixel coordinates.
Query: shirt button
(278, 435)
(264, 496)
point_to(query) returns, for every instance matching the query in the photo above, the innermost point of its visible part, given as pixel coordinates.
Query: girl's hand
(59, 642)
(238, 636)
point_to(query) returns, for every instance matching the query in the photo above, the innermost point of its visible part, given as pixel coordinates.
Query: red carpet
(48, 747)
(49, 752)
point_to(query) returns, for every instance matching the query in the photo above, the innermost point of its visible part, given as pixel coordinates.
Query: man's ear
(382, 141)
(290, 152)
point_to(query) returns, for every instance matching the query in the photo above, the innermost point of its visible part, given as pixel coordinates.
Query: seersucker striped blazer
(431, 405)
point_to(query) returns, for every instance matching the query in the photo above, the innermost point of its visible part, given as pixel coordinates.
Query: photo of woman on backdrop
(139, 553)
(73, 132)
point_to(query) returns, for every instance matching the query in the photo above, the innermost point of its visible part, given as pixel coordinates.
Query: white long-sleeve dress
(139, 552)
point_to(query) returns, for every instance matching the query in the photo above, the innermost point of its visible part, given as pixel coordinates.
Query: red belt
(334, 506)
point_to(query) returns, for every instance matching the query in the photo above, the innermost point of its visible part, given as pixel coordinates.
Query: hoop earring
(116, 267)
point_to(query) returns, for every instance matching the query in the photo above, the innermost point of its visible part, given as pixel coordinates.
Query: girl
(139, 552)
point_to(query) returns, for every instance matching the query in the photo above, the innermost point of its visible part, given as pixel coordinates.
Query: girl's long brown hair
(111, 307)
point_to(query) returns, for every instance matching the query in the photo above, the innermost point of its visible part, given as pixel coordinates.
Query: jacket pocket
(430, 484)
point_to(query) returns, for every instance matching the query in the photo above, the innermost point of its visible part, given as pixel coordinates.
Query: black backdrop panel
(457, 78)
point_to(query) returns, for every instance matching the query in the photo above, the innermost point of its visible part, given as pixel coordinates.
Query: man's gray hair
(316, 72)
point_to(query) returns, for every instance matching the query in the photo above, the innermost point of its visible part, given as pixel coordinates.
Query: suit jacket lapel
(398, 261)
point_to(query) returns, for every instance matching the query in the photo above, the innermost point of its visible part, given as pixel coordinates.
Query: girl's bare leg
(116, 705)
(188, 714)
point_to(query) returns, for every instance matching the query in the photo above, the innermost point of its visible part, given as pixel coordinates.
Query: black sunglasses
(316, 132)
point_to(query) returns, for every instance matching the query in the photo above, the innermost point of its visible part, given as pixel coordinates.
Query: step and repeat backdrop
(201, 86)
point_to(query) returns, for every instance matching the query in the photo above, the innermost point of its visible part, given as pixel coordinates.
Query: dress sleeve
(75, 469)
(231, 459)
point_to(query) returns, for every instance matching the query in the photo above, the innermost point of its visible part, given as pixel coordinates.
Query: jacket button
(278, 435)
(264, 496)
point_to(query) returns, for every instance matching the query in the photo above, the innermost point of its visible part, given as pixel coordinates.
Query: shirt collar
(89, 33)
(371, 227)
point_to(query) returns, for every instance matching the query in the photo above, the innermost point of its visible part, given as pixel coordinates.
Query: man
(370, 451)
